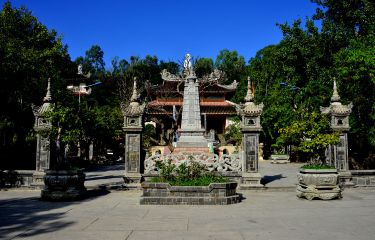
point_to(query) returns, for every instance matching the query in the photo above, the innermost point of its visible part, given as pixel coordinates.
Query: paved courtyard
(118, 215)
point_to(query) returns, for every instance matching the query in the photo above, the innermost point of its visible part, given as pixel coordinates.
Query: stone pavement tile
(65, 235)
(184, 235)
(134, 212)
(289, 234)
(109, 223)
(165, 211)
(213, 224)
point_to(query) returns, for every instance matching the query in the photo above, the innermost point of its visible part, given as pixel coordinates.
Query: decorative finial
(335, 96)
(48, 97)
(249, 94)
(134, 95)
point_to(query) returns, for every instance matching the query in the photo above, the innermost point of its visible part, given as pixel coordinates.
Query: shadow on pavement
(267, 179)
(30, 216)
(91, 178)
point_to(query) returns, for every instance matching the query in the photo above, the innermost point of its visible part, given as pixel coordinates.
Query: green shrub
(192, 174)
(317, 166)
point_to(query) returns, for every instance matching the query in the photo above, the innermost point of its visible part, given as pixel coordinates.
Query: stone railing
(227, 163)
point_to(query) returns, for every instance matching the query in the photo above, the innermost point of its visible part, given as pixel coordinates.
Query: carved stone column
(41, 127)
(337, 155)
(133, 126)
(250, 128)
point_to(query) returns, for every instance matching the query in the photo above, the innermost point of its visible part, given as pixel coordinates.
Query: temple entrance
(217, 123)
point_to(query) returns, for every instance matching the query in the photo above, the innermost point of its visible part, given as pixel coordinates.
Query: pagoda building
(207, 108)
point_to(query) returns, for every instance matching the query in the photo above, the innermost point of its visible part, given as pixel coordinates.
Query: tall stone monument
(41, 126)
(133, 125)
(192, 133)
(250, 128)
(337, 155)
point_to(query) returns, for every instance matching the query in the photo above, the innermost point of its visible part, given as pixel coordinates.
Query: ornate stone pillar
(41, 127)
(133, 125)
(192, 133)
(250, 128)
(337, 155)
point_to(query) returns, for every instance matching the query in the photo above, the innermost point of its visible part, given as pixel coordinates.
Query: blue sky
(167, 28)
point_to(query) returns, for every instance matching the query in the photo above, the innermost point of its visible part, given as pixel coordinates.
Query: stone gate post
(250, 128)
(133, 126)
(337, 155)
(42, 126)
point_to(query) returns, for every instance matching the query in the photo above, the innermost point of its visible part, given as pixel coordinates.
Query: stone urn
(63, 185)
(318, 183)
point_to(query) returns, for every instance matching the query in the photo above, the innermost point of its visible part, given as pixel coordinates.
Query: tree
(296, 74)
(310, 134)
(172, 67)
(29, 55)
(93, 61)
(231, 63)
(203, 66)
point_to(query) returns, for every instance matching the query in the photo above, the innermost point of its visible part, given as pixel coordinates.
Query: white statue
(187, 63)
(80, 72)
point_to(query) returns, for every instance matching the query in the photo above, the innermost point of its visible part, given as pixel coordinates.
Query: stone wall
(363, 178)
(27, 177)
(165, 194)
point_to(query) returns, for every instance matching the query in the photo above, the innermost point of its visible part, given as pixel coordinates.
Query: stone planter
(318, 183)
(63, 185)
(165, 194)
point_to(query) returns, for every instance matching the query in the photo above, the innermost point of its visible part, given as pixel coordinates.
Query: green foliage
(191, 174)
(203, 66)
(233, 133)
(317, 166)
(166, 170)
(149, 132)
(86, 124)
(171, 67)
(231, 63)
(93, 61)
(29, 54)
(307, 58)
(200, 181)
(310, 134)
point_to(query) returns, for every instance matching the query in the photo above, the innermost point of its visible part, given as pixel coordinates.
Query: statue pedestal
(133, 180)
(38, 179)
(251, 181)
(192, 139)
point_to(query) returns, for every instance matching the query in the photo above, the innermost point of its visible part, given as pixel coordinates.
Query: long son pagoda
(191, 112)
